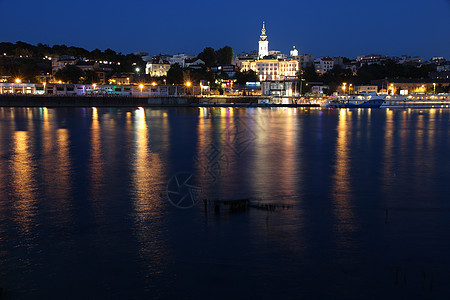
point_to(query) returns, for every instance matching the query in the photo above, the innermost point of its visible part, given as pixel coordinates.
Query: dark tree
(246, 76)
(310, 75)
(59, 49)
(224, 55)
(224, 76)
(111, 54)
(90, 77)
(175, 74)
(304, 87)
(96, 54)
(28, 71)
(70, 74)
(209, 56)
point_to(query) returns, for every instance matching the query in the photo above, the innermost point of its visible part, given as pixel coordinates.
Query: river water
(108, 203)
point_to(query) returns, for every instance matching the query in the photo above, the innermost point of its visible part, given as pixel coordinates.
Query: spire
(263, 36)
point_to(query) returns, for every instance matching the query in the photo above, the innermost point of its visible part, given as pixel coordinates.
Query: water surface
(362, 203)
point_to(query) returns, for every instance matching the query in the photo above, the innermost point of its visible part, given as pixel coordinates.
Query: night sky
(334, 28)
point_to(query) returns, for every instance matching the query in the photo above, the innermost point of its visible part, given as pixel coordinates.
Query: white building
(366, 89)
(277, 54)
(294, 52)
(181, 59)
(272, 69)
(157, 67)
(323, 64)
(263, 43)
(22, 88)
(194, 63)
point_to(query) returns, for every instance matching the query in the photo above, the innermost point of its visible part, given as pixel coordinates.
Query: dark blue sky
(334, 28)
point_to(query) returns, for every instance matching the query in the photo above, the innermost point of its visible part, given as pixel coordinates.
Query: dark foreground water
(90, 206)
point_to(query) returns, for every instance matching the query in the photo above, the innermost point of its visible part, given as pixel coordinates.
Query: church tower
(263, 43)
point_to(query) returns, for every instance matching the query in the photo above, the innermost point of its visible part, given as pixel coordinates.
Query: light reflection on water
(24, 184)
(83, 202)
(146, 188)
(346, 223)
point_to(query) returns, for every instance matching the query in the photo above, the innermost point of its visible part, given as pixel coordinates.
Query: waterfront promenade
(130, 101)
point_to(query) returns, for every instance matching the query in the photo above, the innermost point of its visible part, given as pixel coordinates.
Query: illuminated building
(181, 59)
(294, 52)
(62, 61)
(101, 68)
(228, 69)
(270, 67)
(371, 59)
(366, 89)
(157, 67)
(323, 64)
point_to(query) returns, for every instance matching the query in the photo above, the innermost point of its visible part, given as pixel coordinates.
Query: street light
(434, 88)
(141, 86)
(343, 86)
(392, 89)
(188, 85)
(18, 80)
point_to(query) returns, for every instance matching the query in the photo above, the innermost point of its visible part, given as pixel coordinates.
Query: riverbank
(124, 101)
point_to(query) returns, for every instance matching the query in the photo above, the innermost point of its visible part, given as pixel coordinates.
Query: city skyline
(334, 29)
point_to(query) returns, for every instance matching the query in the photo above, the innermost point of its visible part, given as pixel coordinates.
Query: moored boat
(355, 101)
(389, 101)
(417, 101)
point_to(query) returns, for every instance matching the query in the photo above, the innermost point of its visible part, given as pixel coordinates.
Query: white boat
(389, 101)
(417, 101)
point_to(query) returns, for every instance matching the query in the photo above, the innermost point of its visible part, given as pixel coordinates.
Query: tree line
(210, 57)
(27, 61)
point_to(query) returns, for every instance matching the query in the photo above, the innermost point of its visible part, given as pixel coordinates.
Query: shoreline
(124, 101)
